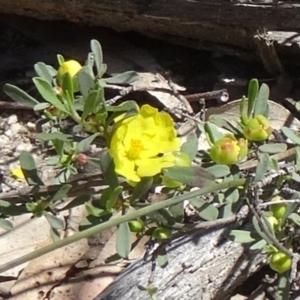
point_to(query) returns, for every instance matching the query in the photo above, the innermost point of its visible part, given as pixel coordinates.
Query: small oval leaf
(241, 236)
(123, 243)
(55, 222)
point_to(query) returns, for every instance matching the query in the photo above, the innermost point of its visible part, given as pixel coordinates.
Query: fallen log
(199, 24)
(201, 266)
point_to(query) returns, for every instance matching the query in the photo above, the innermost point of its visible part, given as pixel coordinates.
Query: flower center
(135, 149)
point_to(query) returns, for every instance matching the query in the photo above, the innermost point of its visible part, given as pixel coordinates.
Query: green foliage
(80, 99)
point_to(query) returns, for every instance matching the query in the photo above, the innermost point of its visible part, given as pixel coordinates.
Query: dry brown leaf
(47, 271)
(92, 281)
(23, 239)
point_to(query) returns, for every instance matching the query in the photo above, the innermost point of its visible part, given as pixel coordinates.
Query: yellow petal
(17, 173)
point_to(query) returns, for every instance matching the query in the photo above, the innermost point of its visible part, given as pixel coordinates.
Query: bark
(202, 266)
(200, 23)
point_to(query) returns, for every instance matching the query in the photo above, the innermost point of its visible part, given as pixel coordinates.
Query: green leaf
(55, 222)
(98, 55)
(44, 71)
(226, 211)
(259, 230)
(95, 211)
(19, 95)
(212, 131)
(67, 85)
(59, 147)
(54, 136)
(10, 209)
(282, 292)
(60, 59)
(290, 134)
(190, 147)
(261, 104)
(123, 243)
(62, 176)
(6, 225)
(219, 170)
(86, 80)
(29, 169)
(273, 164)
(162, 259)
(142, 188)
(273, 148)
(84, 144)
(108, 169)
(177, 212)
(48, 93)
(243, 116)
(113, 197)
(295, 218)
(222, 123)
(90, 221)
(241, 236)
(192, 176)
(232, 195)
(93, 103)
(252, 95)
(61, 193)
(123, 78)
(124, 107)
(260, 245)
(54, 234)
(206, 211)
(41, 106)
(162, 217)
(262, 167)
(298, 158)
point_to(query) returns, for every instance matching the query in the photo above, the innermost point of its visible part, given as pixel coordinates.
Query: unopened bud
(228, 150)
(258, 129)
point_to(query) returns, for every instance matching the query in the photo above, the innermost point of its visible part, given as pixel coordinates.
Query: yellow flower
(17, 173)
(72, 67)
(142, 145)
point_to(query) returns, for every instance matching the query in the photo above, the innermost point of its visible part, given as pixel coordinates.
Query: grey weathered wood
(202, 266)
(217, 21)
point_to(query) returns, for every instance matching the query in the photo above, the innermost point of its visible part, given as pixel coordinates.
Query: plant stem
(117, 221)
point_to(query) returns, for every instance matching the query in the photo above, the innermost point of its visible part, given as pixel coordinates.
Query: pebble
(24, 147)
(8, 133)
(3, 141)
(13, 119)
(16, 128)
(31, 125)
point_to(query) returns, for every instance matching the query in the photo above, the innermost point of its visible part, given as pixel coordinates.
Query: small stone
(24, 147)
(8, 133)
(15, 128)
(30, 125)
(13, 119)
(4, 140)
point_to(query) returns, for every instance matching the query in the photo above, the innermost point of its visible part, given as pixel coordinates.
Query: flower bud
(279, 209)
(280, 262)
(228, 150)
(136, 226)
(258, 129)
(273, 222)
(161, 233)
(82, 159)
(72, 67)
